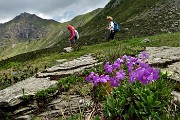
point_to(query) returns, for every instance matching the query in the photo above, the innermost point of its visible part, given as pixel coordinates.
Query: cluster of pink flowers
(136, 68)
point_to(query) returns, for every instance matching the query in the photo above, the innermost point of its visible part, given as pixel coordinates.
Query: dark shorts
(73, 41)
(111, 35)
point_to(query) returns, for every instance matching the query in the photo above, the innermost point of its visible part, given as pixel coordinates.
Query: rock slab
(75, 66)
(167, 58)
(11, 95)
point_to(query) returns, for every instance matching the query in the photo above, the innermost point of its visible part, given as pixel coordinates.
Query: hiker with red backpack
(73, 36)
(72, 39)
(113, 28)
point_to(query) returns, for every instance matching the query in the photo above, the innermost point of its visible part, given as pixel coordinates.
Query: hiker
(110, 28)
(72, 38)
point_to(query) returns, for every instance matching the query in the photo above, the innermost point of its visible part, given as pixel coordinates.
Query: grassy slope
(47, 57)
(121, 12)
(152, 17)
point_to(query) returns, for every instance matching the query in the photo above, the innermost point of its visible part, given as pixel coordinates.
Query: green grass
(132, 46)
(106, 51)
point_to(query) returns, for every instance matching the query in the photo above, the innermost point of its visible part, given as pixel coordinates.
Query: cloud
(60, 10)
(5, 20)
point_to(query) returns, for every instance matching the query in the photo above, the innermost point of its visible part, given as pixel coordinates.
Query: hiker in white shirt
(110, 28)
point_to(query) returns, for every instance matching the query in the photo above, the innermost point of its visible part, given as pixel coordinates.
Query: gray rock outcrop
(70, 67)
(12, 95)
(167, 58)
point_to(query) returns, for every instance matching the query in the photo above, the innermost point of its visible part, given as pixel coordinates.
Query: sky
(59, 10)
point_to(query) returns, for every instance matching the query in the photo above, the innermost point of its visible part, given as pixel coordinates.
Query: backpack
(76, 34)
(116, 27)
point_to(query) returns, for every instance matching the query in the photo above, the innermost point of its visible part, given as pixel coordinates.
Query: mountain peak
(26, 25)
(26, 15)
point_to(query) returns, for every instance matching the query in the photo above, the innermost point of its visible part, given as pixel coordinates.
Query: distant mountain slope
(136, 18)
(28, 32)
(26, 26)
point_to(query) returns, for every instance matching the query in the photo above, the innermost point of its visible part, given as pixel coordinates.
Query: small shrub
(113, 54)
(64, 84)
(75, 117)
(87, 72)
(45, 93)
(26, 98)
(97, 117)
(100, 93)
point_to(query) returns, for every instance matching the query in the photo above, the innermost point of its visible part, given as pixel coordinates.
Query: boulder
(68, 49)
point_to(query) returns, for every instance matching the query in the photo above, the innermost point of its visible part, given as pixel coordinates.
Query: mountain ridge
(26, 25)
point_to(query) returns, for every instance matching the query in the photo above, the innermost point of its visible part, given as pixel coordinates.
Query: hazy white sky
(59, 10)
